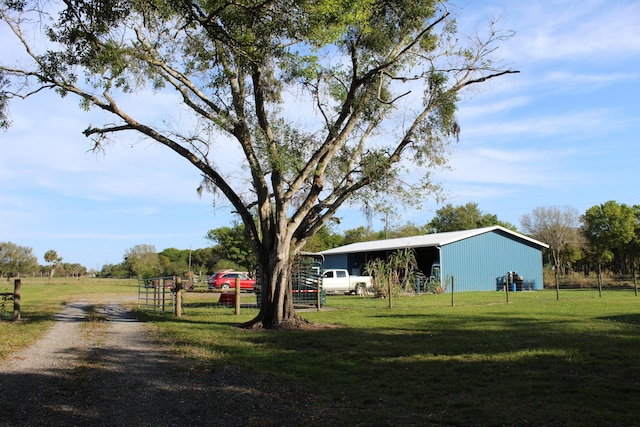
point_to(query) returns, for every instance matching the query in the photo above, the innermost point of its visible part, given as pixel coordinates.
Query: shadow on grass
(498, 367)
(28, 317)
(471, 370)
(629, 319)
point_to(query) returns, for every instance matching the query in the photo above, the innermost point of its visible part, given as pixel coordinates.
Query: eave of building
(426, 240)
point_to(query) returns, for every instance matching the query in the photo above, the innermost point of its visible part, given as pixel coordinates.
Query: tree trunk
(16, 300)
(556, 260)
(276, 305)
(635, 277)
(600, 280)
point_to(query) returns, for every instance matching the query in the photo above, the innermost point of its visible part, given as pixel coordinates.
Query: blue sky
(563, 132)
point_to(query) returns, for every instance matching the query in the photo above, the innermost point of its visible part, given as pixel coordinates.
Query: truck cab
(340, 281)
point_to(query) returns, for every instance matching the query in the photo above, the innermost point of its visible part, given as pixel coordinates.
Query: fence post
(237, 295)
(178, 303)
(163, 296)
(319, 290)
(16, 300)
(156, 293)
(452, 290)
(506, 285)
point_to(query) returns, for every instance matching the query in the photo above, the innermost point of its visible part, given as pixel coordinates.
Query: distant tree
(204, 260)
(634, 247)
(324, 239)
(557, 228)
(463, 217)
(174, 262)
(143, 261)
(406, 230)
(72, 269)
(608, 228)
(16, 260)
(365, 234)
(359, 234)
(53, 259)
(388, 213)
(232, 244)
(120, 270)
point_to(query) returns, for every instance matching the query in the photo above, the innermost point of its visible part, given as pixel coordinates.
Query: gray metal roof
(426, 240)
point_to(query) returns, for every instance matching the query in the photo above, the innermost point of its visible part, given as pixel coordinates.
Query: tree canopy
(329, 101)
(16, 260)
(143, 261)
(608, 228)
(233, 246)
(463, 217)
(51, 256)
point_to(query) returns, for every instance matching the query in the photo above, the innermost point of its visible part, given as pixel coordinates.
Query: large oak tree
(378, 82)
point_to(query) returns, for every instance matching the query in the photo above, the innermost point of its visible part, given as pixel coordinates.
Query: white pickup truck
(339, 281)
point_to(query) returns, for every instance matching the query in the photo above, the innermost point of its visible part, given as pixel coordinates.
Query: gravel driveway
(112, 374)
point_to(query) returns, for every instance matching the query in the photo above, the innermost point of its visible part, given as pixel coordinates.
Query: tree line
(605, 238)
(231, 250)
(16, 261)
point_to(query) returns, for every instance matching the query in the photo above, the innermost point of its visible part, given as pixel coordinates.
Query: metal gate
(157, 294)
(306, 281)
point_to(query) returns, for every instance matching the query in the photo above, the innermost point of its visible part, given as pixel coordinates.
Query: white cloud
(593, 31)
(588, 78)
(564, 125)
(512, 167)
(491, 107)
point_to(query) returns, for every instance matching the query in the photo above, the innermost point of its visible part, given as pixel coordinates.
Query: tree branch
(90, 130)
(485, 78)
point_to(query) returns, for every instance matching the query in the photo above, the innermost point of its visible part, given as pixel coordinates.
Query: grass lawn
(534, 361)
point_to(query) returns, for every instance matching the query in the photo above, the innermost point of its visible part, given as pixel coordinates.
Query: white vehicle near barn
(339, 281)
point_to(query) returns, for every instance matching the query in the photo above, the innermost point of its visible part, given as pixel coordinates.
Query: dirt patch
(296, 324)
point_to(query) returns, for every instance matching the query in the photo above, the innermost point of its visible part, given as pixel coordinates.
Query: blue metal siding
(354, 263)
(476, 262)
(335, 261)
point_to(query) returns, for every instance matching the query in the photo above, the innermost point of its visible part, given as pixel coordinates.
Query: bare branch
(90, 130)
(490, 76)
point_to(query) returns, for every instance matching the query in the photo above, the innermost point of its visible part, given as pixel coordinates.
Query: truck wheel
(225, 286)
